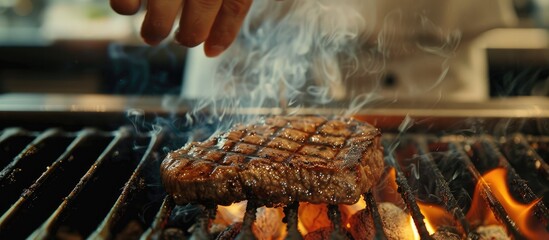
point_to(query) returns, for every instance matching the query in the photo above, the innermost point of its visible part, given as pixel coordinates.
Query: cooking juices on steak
(278, 160)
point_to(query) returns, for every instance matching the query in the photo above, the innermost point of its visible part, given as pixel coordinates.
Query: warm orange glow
(233, 213)
(435, 217)
(267, 226)
(414, 228)
(392, 179)
(347, 211)
(479, 213)
(428, 225)
(312, 217)
(387, 190)
(521, 214)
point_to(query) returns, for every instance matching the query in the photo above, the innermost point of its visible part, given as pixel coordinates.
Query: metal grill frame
(500, 119)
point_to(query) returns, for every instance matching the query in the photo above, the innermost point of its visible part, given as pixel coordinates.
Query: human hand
(214, 22)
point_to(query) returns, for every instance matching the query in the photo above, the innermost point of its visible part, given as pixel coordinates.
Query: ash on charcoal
(363, 225)
(395, 223)
(446, 234)
(492, 232)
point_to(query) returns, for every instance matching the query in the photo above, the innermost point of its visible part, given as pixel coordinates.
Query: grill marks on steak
(277, 161)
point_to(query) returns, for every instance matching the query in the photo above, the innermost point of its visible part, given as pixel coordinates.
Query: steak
(276, 161)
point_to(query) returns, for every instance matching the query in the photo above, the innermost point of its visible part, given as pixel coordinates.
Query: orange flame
(521, 214)
(435, 217)
(479, 213)
(347, 211)
(387, 189)
(414, 228)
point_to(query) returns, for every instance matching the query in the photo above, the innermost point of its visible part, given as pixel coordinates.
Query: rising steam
(288, 54)
(297, 53)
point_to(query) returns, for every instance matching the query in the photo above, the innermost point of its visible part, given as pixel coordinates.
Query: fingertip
(218, 41)
(152, 41)
(125, 7)
(226, 26)
(196, 21)
(213, 50)
(151, 35)
(189, 39)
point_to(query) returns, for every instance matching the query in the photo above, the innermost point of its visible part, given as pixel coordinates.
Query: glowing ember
(392, 183)
(312, 217)
(521, 214)
(230, 214)
(268, 224)
(349, 210)
(387, 189)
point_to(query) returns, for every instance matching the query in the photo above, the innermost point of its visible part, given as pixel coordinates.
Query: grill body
(99, 177)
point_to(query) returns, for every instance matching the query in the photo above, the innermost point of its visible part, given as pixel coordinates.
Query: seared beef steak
(278, 160)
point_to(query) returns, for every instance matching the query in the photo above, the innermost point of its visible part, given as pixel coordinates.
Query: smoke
(142, 70)
(289, 54)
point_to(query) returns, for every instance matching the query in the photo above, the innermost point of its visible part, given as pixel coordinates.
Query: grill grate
(105, 184)
(85, 183)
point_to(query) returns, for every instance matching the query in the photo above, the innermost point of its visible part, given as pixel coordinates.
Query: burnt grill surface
(104, 184)
(83, 183)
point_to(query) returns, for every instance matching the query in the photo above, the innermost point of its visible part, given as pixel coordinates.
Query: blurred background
(82, 46)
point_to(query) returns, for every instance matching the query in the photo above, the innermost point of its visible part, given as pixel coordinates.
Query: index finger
(125, 7)
(196, 21)
(159, 19)
(226, 26)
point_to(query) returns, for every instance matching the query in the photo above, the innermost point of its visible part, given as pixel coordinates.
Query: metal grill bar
(249, 218)
(27, 166)
(290, 213)
(202, 228)
(71, 169)
(69, 206)
(520, 154)
(486, 193)
(540, 144)
(120, 213)
(441, 184)
(12, 142)
(85, 173)
(371, 206)
(335, 217)
(405, 189)
(42, 197)
(533, 169)
(159, 223)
